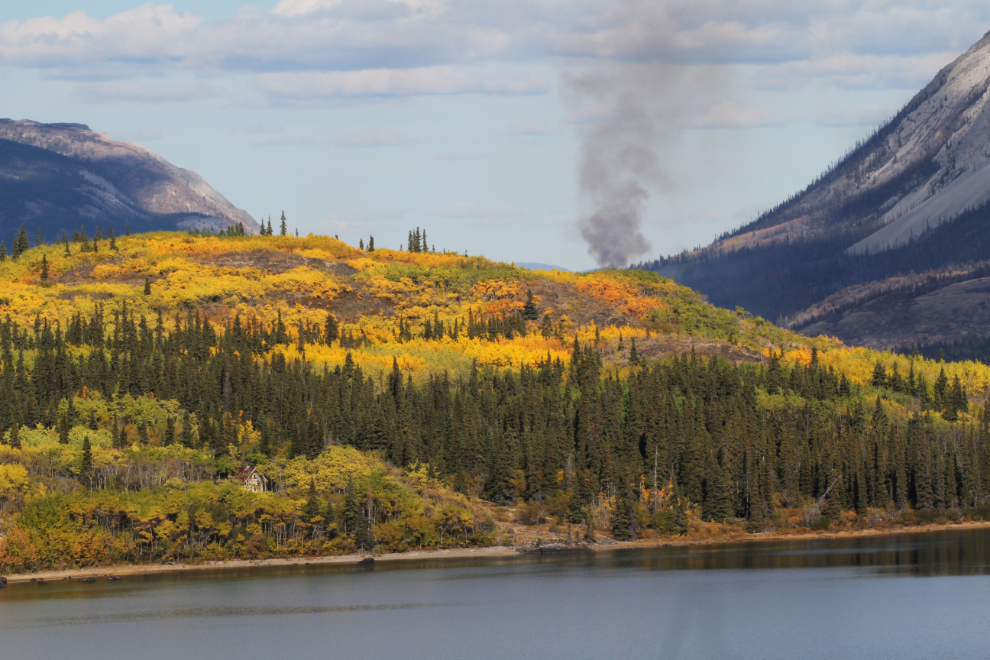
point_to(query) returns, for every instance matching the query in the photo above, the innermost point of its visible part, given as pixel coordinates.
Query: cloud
(429, 81)
(461, 155)
(140, 92)
(350, 222)
(286, 142)
(371, 137)
(480, 214)
(147, 133)
(530, 128)
(868, 115)
(305, 50)
(846, 70)
(733, 115)
(372, 34)
(262, 128)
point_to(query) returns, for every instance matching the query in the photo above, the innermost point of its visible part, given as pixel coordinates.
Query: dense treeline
(684, 434)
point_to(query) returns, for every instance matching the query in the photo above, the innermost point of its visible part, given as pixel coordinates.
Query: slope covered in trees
(385, 394)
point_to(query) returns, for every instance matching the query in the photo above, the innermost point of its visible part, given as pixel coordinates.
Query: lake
(903, 596)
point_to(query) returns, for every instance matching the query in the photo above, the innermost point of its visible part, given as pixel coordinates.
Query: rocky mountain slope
(912, 198)
(62, 176)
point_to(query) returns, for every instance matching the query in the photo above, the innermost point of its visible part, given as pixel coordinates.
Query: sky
(578, 133)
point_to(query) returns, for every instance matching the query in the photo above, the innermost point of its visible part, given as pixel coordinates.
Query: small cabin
(251, 479)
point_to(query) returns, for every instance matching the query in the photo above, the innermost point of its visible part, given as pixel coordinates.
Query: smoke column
(632, 121)
(619, 165)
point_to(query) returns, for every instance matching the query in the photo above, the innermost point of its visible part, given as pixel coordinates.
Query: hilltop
(397, 400)
(56, 177)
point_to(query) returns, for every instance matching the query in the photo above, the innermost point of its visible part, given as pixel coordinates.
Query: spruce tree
(44, 268)
(530, 312)
(113, 241)
(147, 286)
(622, 522)
(15, 436)
(169, 431)
(371, 244)
(38, 240)
(284, 228)
(86, 466)
(312, 507)
(63, 430)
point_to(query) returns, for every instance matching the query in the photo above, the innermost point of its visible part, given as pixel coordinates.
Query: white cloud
(734, 115)
(141, 92)
(480, 212)
(310, 49)
(530, 128)
(286, 142)
(461, 155)
(847, 70)
(440, 80)
(145, 134)
(372, 137)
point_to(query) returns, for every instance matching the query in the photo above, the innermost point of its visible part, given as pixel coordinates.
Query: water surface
(906, 596)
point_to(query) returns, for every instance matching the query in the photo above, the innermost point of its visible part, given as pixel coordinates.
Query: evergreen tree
(331, 329)
(44, 268)
(63, 430)
(371, 244)
(113, 241)
(38, 240)
(284, 228)
(147, 286)
(15, 436)
(530, 312)
(312, 508)
(86, 466)
(350, 512)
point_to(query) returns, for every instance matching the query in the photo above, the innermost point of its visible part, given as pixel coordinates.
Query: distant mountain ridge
(911, 199)
(63, 176)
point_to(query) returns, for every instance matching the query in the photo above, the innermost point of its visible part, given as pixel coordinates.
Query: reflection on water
(902, 596)
(219, 611)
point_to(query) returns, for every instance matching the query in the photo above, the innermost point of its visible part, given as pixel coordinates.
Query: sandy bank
(461, 553)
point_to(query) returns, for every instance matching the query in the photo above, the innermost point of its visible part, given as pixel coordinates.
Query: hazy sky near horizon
(484, 121)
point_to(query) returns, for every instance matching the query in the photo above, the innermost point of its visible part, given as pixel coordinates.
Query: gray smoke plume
(634, 118)
(619, 166)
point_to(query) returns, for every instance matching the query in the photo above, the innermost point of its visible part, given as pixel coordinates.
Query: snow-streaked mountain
(66, 175)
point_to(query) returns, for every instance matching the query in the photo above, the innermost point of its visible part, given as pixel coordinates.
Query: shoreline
(123, 570)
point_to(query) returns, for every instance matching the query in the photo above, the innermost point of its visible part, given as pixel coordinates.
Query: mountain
(533, 265)
(56, 177)
(910, 201)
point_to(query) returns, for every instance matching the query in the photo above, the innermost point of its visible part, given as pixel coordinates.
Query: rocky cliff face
(913, 198)
(62, 175)
(925, 167)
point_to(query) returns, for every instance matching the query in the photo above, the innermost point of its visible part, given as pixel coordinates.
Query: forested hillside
(396, 399)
